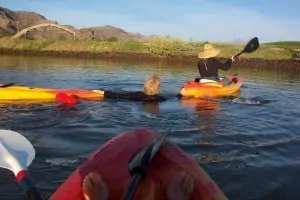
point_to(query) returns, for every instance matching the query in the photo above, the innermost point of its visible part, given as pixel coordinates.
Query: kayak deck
(111, 161)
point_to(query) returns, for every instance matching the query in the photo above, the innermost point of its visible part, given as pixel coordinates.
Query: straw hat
(208, 51)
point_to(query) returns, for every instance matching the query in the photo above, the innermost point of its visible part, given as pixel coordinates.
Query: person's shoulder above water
(150, 93)
(133, 95)
(141, 96)
(154, 98)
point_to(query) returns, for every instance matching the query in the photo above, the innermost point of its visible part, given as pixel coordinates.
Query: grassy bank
(159, 47)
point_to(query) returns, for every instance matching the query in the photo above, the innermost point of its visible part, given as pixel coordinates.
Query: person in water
(150, 93)
(209, 66)
(179, 188)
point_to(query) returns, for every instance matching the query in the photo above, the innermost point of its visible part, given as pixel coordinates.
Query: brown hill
(13, 21)
(110, 33)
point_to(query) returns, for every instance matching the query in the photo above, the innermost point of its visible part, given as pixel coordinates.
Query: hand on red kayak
(94, 187)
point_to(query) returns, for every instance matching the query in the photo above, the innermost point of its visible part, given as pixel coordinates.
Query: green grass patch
(17, 44)
(284, 44)
(161, 46)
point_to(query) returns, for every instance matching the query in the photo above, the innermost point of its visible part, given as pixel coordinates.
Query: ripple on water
(249, 146)
(38, 116)
(62, 161)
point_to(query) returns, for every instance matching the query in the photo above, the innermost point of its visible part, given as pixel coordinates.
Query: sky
(198, 20)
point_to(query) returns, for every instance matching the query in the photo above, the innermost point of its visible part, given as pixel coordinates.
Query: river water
(249, 145)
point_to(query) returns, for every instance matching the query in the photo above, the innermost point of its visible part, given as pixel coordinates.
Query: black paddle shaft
(34, 194)
(134, 183)
(138, 166)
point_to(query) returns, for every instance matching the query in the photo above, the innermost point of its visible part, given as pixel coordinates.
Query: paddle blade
(16, 152)
(252, 45)
(143, 157)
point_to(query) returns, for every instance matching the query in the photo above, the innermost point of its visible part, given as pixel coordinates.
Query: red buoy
(65, 99)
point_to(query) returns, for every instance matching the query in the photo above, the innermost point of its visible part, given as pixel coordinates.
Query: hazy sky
(213, 20)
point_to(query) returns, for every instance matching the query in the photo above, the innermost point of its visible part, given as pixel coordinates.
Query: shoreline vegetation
(285, 54)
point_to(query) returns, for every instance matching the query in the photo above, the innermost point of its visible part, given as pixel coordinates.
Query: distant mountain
(110, 33)
(13, 21)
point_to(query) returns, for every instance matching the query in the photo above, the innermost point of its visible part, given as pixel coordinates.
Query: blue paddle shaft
(31, 191)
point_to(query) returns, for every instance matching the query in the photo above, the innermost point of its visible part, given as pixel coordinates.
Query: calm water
(249, 145)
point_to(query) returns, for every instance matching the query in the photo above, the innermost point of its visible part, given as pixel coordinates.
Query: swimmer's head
(152, 85)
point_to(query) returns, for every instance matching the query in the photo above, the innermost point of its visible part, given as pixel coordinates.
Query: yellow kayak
(31, 93)
(17, 94)
(211, 89)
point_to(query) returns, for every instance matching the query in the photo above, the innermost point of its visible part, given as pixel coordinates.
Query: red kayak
(111, 161)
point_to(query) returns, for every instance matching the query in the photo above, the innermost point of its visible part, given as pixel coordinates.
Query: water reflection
(151, 107)
(205, 111)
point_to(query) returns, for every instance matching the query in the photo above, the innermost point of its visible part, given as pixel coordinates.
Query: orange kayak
(211, 89)
(111, 162)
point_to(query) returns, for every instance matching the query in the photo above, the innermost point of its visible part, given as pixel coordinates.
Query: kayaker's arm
(223, 66)
(197, 79)
(199, 66)
(199, 69)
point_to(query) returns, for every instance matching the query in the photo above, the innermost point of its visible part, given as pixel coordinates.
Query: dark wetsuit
(210, 69)
(135, 96)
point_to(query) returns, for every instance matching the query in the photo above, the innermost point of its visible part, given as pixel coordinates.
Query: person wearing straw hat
(208, 65)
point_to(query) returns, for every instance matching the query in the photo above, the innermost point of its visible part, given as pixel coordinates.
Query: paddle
(7, 85)
(16, 154)
(250, 47)
(138, 165)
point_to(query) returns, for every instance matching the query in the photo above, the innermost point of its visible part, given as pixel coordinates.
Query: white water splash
(62, 161)
(246, 101)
